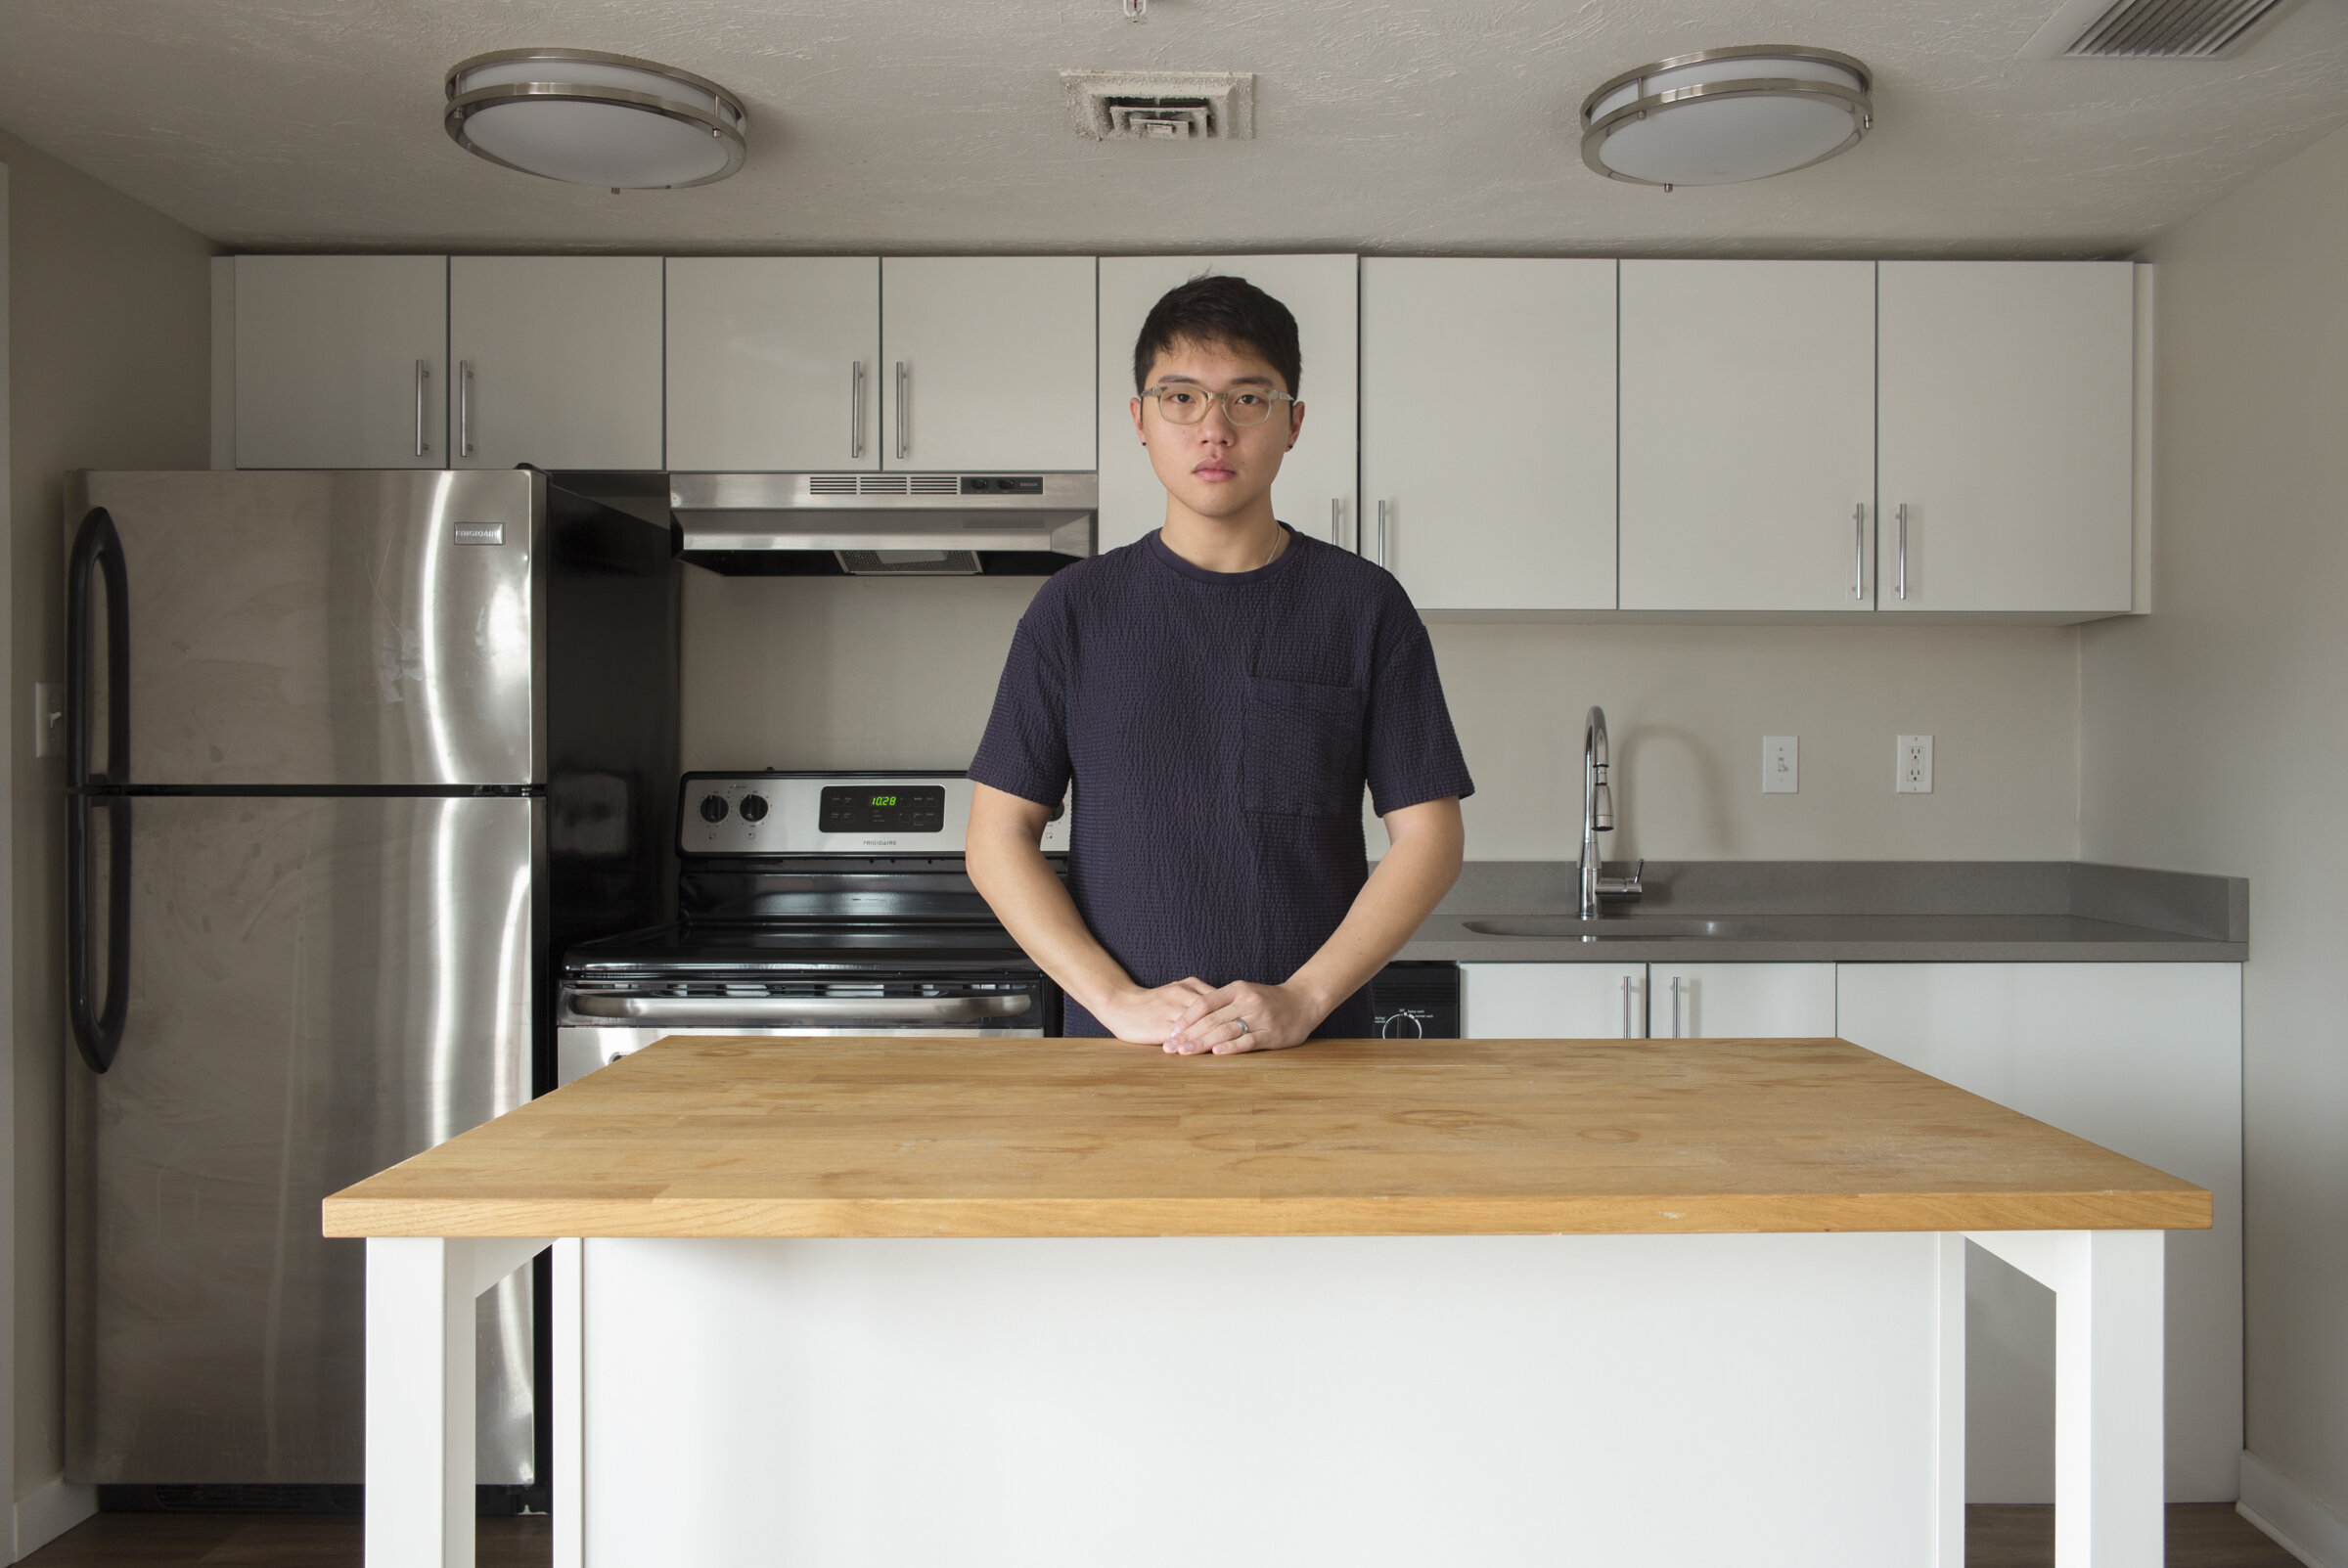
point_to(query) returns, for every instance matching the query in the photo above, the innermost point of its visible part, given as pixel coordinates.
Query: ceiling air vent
(1162, 106)
(2153, 30)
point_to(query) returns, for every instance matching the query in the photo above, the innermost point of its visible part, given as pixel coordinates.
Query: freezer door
(318, 989)
(342, 628)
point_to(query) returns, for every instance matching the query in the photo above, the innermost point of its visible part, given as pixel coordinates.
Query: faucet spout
(1598, 817)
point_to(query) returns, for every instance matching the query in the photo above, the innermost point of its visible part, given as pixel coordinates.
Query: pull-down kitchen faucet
(1598, 817)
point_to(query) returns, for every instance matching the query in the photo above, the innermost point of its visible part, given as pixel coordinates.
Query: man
(1219, 692)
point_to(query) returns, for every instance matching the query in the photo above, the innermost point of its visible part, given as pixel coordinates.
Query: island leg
(2108, 1347)
(420, 1405)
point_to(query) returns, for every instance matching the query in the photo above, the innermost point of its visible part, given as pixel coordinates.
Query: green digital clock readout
(885, 801)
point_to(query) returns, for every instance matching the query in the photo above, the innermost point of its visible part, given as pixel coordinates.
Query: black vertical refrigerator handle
(96, 1029)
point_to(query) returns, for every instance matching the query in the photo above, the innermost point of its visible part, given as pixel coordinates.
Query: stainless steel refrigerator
(351, 755)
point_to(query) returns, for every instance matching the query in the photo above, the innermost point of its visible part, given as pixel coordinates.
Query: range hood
(884, 524)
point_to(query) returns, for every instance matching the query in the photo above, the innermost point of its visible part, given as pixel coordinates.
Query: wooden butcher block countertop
(899, 1137)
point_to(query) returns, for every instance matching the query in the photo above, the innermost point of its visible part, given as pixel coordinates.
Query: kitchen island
(883, 1301)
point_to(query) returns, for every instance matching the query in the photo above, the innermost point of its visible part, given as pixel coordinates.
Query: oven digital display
(898, 809)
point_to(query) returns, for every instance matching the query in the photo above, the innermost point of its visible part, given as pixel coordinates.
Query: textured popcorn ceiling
(907, 125)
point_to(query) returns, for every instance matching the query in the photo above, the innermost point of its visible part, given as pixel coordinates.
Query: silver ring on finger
(1243, 1023)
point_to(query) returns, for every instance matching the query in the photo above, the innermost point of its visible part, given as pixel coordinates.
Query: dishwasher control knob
(753, 808)
(713, 808)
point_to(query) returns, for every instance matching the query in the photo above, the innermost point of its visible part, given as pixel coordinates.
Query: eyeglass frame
(1271, 399)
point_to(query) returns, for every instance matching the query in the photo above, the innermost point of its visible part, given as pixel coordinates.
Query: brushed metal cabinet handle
(856, 409)
(1381, 533)
(904, 439)
(423, 371)
(1675, 1007)
(1626, 1009)
(1903, 550)
(1859, 551)
(463, 408)
(1337, 517)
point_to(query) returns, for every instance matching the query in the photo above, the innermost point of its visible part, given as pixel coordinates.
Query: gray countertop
(1888, 912)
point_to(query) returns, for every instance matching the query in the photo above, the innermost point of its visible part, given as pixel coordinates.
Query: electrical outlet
(48, 718)
(1780, 763)
(1914, 770)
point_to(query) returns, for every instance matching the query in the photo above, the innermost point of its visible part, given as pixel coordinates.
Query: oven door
(602, 1018)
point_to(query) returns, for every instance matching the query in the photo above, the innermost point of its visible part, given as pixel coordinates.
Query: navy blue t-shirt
(1218, 727)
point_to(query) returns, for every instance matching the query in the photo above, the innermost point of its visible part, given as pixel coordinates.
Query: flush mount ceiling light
(595, 119)
(1726, 115)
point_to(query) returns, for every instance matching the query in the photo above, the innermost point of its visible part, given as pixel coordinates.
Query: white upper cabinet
(1315, 491)
(1553, 1001)
(1741, 1001)
(1488, 430)
(556, 361)
(988, 363)
(2008, 436)
(341, 362)
(1749, 435)
(774, 364)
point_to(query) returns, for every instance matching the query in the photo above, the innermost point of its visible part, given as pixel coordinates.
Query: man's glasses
(1183, 404)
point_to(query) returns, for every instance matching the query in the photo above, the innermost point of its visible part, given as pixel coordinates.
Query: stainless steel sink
(1616, 929)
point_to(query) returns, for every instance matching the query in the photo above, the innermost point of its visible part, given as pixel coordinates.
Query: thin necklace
(1279, 542)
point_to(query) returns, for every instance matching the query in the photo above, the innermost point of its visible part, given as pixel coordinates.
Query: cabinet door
(1749, 435)
(1553, 1001)
(2008, 434)
(989, 362)
(1741, 1001)
(774, 364)
(341, 362)
(1315, 491)
(1488, 429)
(558, 360)
(2143, 1058)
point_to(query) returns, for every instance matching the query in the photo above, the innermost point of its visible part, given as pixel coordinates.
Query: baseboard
(47, 1513)
(2300, 1523)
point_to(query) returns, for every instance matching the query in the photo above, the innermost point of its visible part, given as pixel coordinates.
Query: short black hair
(1231, 312)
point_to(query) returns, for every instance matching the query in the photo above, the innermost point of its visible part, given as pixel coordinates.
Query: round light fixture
(1727, 114)
(595, 119)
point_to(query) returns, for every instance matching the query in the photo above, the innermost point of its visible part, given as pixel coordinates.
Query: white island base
(1671, 1400)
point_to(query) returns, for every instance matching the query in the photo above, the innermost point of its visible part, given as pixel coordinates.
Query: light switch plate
(1912, 758)
(1780, 763)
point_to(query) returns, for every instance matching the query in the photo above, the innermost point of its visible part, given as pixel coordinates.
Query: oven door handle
(770, 1010)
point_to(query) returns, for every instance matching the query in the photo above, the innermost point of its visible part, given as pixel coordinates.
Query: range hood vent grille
(884, 484)
(2173, 30)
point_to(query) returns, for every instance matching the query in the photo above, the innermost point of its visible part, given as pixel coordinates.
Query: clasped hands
(1189, 1016)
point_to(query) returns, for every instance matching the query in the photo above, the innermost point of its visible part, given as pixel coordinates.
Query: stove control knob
(753, 808)
(713, 808)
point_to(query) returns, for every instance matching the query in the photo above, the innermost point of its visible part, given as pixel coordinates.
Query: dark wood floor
(2202, 1534)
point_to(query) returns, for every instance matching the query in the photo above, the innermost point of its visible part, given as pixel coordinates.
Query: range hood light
(594, 118)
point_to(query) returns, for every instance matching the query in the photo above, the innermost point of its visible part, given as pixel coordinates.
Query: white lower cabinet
(1553, 1001)
(2146, 1060)
(1639, 1001)
(1741, 1001)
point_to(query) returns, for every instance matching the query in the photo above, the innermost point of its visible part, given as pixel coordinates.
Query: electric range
(811, 904)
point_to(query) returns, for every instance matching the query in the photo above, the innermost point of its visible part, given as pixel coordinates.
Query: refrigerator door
(317, 988)
(326, 629)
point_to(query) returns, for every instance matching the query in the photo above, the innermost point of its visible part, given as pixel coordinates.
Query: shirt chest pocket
(1301, 750)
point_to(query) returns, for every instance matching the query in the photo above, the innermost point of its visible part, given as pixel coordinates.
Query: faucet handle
(1625, 887)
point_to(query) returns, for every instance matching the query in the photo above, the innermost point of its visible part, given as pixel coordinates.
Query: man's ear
(1134, 408)
(1295, 423)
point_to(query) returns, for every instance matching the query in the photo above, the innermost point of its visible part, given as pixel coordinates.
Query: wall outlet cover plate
(1780, 763)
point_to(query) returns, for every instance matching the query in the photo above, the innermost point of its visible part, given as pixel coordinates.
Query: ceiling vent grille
(2154, 29)
(1161, 106)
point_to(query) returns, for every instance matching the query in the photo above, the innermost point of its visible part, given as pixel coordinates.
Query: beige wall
(2215, 736)
(109, 365)
(832, 672)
